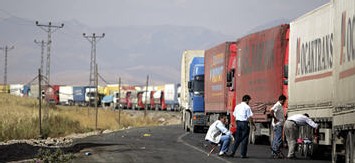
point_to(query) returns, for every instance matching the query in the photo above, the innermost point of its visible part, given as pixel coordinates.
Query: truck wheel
(349, 150)
(193, 129)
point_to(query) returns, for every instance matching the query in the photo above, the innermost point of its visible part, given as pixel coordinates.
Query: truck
(170, 96)
(192, 90)
(159, 100)
(322, 77)
(16, 89)
(259, 69)
(66, 95)
(83, 95)
(52, 94)
(4, 88)
(216, 90)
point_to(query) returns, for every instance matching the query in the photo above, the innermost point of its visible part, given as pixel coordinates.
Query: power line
(48, 29)
(6, 49)
(93, 40)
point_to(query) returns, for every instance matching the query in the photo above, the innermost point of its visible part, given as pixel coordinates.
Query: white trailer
(322, 75)
(170, 96)
(66, 95)
(311, 68)
(16, 89)
(344, 80)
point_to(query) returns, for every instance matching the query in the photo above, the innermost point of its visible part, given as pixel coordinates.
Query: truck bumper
(199, 120)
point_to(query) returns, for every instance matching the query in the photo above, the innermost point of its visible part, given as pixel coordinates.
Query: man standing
(243, 115)
(278, 116)
(219, 134)
(291, 130)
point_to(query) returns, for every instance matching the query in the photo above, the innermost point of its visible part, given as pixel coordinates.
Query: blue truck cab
(196, 93)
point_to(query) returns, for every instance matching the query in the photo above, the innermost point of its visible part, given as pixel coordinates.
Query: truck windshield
(198, 85)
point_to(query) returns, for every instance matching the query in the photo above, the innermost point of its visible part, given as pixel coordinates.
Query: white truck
(322, 76)
(170, 96)
(66, 95)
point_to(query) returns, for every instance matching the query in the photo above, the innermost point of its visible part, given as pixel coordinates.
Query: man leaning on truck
(291, 130)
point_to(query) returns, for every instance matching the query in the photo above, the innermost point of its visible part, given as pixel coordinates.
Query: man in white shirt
(291, 130)
(278, 119)
(219, 134)
(243, 115)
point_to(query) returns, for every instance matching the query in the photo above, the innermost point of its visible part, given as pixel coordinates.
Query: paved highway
(163, 144)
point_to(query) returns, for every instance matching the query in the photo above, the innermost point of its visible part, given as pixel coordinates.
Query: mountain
(129, 52)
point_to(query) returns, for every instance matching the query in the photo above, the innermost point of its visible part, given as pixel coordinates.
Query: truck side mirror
(230, 76)
(285, 81)
(286, 71)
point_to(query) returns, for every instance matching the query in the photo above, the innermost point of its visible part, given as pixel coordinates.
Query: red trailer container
(152, 102)
(216, 90)
(52, 94)
(140, 103)
(261, 63)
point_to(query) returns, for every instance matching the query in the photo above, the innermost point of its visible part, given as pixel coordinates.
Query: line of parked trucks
(162, 97)
(311, 61)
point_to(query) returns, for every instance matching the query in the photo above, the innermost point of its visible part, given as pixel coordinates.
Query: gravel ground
(26, 150)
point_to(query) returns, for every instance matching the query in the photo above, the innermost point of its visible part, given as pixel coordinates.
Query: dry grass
(19, 119)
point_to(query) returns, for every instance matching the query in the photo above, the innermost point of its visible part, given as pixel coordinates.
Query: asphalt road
(164, 144)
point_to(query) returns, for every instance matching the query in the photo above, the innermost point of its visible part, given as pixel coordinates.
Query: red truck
(216, 91)
(52, 94)
(259, 69)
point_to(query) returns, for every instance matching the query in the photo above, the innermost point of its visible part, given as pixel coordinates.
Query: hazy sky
(230, 17)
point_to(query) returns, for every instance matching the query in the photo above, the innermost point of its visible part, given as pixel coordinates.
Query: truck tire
(349, 149)
(193, 128)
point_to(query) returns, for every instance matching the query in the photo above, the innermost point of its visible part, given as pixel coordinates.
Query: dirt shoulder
(16, 150)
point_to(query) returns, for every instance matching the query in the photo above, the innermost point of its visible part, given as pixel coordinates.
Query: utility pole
(41, 43)
(6, 49)
(40, 102)
(93, 40)
(96, 97)
(146, 90)
(119, 100)
(48, 29)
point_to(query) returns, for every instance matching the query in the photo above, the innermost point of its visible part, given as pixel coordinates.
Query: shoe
(230, 155)
(292, 157)
(222, 154)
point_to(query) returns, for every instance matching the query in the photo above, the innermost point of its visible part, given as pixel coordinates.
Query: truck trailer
(216, 90)
(322, 76)
(259, 69)
(192, 90)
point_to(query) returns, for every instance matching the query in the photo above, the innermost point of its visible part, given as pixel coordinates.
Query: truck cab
(195, 117)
